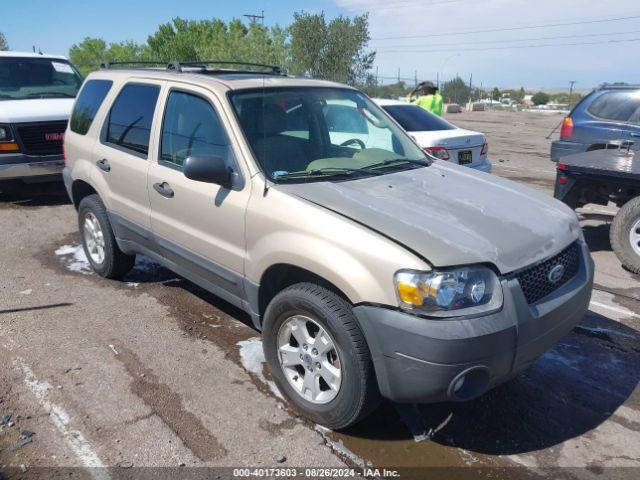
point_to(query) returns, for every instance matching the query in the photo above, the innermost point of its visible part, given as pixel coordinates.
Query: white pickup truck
(36, 96)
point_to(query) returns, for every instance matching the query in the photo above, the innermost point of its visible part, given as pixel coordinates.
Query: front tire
(318, 357)
(625, 235)
(99, 242)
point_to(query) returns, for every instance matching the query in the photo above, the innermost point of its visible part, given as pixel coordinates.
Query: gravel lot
(155, 372)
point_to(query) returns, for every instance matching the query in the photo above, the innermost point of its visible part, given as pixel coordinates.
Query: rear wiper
(394, 161)
(326, 172)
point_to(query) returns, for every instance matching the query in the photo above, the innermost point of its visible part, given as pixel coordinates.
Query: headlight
(449, 293)
(5, 133)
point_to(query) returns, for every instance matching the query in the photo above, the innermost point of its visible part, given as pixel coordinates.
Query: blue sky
(54, 27)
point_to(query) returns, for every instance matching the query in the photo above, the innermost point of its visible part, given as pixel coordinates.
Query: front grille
(534, 280)
(33, 137)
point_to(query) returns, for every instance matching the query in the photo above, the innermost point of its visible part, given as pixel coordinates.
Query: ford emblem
(555, 274)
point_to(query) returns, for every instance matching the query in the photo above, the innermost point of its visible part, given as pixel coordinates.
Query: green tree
(540, 98)
(495, 94)
(334, 50)
(392, 90)
(456, 91)
(3, 42)
(183, 39)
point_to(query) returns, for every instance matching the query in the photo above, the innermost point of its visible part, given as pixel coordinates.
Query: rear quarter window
(416, 119)
(87, 104)
(622, 106)
(131, 116)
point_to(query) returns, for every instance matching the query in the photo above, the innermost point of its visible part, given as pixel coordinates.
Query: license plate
(464, 157)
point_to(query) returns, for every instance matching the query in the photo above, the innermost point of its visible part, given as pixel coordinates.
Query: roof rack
(621, 85)
(177, 66)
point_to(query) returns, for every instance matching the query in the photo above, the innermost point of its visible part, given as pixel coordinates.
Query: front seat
(275, 151)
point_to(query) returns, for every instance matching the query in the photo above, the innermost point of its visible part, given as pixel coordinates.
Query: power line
(508, 40)
(402, 3)
(508, 29)
(519, 46)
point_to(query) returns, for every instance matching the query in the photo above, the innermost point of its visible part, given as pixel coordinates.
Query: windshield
(299, 134)
(416, 119)
(25, 77)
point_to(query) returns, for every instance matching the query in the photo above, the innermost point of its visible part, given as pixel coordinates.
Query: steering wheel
(351, 141)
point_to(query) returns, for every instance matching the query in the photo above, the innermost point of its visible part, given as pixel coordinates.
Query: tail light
(438, 152)
(485, 148)
(64, 155)
(561, 167)
(567, 128)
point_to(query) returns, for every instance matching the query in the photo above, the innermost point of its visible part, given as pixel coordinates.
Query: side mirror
(208, 169)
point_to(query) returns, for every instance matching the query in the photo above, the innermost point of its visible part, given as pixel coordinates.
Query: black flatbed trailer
(607, 177)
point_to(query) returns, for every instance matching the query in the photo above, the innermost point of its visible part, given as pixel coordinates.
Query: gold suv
(371, 268)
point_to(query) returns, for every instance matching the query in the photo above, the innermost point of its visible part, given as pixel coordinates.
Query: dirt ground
(154, 372)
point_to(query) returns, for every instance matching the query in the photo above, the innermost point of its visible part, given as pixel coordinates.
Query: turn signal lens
(9, 147)
(567, 128)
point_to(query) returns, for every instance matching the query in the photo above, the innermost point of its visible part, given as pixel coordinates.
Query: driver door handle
(163, 189)
(104, 165)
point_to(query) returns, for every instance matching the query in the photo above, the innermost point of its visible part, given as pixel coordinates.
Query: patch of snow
(468, 457)
(609, 331)
(26, 292)
(252, 357)
(212, 325)
(133, 284)
(75, 259)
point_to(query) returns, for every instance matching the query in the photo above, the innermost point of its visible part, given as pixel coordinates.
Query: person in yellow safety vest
(429, 98)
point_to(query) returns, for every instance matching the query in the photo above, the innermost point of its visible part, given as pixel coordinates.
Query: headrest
(271, 120)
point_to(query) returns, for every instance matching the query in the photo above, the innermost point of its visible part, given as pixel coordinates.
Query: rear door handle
(103, 165)
(163, 189)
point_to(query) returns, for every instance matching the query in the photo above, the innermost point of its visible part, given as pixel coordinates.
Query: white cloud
(493, 64)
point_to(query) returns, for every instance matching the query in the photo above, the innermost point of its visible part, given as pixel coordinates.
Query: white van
(36, 96)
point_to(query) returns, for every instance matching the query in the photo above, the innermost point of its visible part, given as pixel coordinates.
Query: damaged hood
(452, 215)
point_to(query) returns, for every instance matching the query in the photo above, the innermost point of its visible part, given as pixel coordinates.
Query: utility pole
(254, 17)
(398, 74)
(415, 78)
(376, 80)
(571, 84)
(470, 90)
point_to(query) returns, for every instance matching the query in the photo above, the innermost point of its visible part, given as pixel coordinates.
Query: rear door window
(87, 105)
(619, 106)
(131, 116)
(191, 127)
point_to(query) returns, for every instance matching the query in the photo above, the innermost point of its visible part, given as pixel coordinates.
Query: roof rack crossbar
(275, 69)
(177, 66)
(107, 64)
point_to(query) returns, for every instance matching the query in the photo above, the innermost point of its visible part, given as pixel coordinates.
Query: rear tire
(625, 235)
(357, 394)
(100, 247)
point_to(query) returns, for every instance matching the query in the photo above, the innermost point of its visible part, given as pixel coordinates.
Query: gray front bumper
(419, 360)
(20, 165)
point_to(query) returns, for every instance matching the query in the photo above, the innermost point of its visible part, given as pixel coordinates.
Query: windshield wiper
(394, 161)
(326, 172)
(49, 94)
